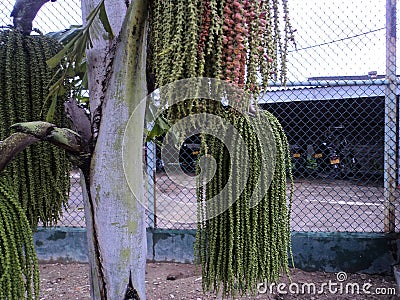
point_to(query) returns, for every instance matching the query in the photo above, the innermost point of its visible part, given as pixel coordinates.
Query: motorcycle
(298, 160)
(335, 156)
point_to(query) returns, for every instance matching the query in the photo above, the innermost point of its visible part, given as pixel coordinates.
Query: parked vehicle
(298, 160)
(335, 156)
(189, 153)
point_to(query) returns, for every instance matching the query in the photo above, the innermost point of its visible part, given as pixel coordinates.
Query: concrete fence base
(371, 253)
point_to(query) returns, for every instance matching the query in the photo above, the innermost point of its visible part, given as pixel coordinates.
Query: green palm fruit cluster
(242, 43)
(19, 273)
(40, 174)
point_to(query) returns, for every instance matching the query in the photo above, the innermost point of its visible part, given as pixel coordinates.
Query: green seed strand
(35, 185)
(18, 262)
(236, 41)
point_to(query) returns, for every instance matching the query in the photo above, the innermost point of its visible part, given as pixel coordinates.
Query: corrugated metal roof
(328, 88)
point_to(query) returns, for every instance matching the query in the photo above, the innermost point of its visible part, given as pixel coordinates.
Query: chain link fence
(339, 109)
(52, 17)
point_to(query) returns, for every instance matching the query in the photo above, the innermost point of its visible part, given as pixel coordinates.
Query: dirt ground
(183, 281)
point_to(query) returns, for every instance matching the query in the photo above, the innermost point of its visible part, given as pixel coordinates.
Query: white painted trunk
(115, 218)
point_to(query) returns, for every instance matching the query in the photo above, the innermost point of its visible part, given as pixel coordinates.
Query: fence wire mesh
(339, 109)
(52, 17)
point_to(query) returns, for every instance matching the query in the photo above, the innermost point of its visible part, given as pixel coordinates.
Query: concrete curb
(370, 253)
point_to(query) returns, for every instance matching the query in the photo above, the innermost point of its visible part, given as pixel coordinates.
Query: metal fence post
(390, 161)
(150, 172)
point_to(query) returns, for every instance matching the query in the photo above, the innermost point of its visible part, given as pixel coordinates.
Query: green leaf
(160, 127)
(56, 59)
(163, 123)
(51, 112)
(70, 72)
(104, 20)
(94, 12)
(85, 83)
(70, 34)
(66, 35)
(153, 133)
(73, 54)
(82, 99)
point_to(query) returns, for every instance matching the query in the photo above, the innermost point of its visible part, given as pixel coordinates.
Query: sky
(337, 38)
(54, 16)
(333, 38)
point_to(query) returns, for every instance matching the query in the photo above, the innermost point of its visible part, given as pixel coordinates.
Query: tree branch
(24, 12)
(14, 144)
(32, 132)
(62, 137)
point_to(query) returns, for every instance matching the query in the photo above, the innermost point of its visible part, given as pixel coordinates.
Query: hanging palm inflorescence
(246, 244)
(40, 174)
(19, 270)
(35, 185)
(233, 40)
(243, 43)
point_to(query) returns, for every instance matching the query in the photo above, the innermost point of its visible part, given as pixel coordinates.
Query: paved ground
(318, 204)
(337, 205)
